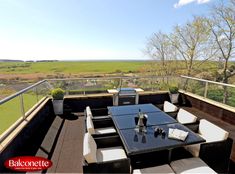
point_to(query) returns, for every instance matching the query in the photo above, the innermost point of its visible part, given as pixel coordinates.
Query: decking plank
(67, 156)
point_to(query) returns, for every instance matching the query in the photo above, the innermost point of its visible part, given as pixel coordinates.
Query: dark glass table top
(154, 118)
(139, 142)
(132, 109)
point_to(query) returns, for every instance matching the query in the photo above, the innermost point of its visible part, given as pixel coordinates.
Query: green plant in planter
(58, 100)
(173, 89)
(174, 94)
(57, 94)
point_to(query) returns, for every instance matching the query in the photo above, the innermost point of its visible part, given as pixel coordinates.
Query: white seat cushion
(157, 169)
(90, 125)
(105, 130)
(109, 154)
(191, 165)
(210, 132)
(89, 148)
(185, 117)
(88, 112)
(169, 107)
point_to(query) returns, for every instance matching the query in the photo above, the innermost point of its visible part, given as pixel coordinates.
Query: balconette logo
(28, 163)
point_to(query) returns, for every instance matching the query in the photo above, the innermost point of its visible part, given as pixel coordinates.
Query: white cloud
(202, 1)
(185, 2)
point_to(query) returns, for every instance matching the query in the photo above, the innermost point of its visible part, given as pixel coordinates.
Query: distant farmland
(69, 67)
(34, 71)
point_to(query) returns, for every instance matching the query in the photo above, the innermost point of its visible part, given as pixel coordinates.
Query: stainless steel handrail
(47, 81)
(23, 116)
(107, 78)
(104, 78)
(21, 92)
(65, 79)
(209, 81)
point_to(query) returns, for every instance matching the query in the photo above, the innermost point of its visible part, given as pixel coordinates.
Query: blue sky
(88, 29)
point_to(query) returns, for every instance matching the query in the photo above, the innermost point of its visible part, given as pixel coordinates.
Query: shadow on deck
(58, 139)
(63, 144)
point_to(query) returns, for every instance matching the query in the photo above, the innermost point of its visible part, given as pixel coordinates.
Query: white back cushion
(169, 107)
(211, 132)
(88, 112)
(90, 125)
(89, 148)
(185, 117)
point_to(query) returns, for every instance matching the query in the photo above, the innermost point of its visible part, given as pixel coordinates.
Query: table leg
(169, 155)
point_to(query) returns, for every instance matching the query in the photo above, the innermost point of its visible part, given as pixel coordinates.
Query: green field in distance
(70, 67)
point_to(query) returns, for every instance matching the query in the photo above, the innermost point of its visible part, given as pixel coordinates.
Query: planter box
(174, 98)
(58, 106)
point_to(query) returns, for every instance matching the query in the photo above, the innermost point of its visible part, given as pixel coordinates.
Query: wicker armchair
(104, 155)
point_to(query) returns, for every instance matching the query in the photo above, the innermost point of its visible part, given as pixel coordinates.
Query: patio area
(67, 153)
(68, 157)
(60, 138)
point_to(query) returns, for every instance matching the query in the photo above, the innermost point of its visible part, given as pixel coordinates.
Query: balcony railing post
(206, 89)
(120, 82)
(36, 92)
(22, 105)
(84, 89)
(152, 83)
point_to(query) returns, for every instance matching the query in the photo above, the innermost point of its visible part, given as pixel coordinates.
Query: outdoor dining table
(132, 109)
(138, 142)
(153, 118)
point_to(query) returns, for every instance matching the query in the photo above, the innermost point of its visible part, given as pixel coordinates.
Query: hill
(9, 60)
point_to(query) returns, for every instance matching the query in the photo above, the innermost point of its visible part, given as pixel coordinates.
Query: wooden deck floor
(65, 139)
(67, 154)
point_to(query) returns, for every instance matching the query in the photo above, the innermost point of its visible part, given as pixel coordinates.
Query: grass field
(11, 111)
(35, 71)
(69, 67)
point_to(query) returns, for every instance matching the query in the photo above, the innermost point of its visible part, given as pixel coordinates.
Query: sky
(88, 29)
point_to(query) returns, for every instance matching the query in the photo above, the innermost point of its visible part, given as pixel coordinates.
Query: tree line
(204, 38)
